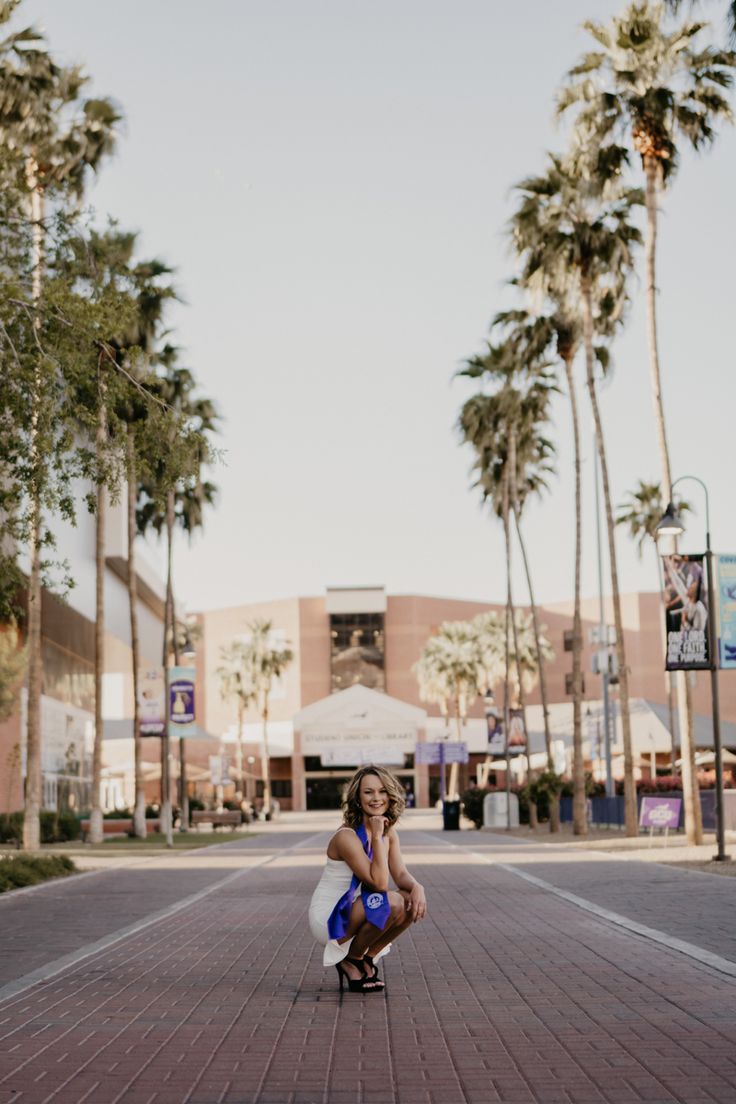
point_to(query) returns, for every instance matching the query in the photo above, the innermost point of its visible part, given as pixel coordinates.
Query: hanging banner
(181, 702)
(726, 575)
(517, 739)
(496, 736)
(151, 701)
(686, 613)
(219, 770)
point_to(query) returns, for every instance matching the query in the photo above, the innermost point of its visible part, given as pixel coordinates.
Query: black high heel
(362, 984)
(371, 977)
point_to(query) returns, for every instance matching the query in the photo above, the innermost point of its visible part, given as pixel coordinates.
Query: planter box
(609, 811)
(119, 826)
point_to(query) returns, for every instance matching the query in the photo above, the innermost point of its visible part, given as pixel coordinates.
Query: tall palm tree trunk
(170, 646)
(579, 813)
(241, 786)
(630, 804)
(139, 812)
(33, 782)
(266, 761)
(691, 790)
(507, 648)
(651, 170)
(95, 819)
(554, 807)
(513, 504)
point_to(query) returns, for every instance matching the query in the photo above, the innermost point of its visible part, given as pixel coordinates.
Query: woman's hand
(378, 824)
(417, 902)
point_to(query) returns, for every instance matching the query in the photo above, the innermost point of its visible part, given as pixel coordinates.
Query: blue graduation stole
(376, 905)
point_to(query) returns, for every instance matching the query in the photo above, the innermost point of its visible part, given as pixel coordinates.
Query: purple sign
(660, 812)
(427, 753)
(442, 752)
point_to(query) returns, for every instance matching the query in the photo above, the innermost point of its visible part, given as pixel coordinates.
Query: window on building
(357, 654)
(281, 787)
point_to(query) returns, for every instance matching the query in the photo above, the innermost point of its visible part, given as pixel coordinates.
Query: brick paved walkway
(505, 994)
(683, 903)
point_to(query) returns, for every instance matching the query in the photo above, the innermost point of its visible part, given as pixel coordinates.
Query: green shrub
(55, 827)
(473, 803)
(24, 870)
(59, 827)
(118, 814)
(11, 827)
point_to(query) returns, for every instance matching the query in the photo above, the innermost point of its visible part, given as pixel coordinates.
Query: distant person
(353, 913)
(410, 801)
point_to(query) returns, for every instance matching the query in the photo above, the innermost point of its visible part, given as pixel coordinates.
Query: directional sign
(456, 753)
(443, 751)
(428, 754)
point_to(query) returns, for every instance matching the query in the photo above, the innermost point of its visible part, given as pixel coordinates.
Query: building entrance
(326, 793)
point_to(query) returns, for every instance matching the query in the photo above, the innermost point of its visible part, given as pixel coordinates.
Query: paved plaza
(541, 974)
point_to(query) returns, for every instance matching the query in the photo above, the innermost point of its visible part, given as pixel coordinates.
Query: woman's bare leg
(361, 932)
(370, 939)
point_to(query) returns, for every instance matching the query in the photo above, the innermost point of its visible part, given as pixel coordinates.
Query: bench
(227, 818)
(118, 826)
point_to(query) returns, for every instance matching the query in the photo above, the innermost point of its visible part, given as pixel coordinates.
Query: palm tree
(504, 429)
(264, 662)
(641, 514)
(675, 5)
(559, 332)
(491, 638)
(141, 449)
(574, 232)
(174, 493)
(235, 678)
(99, 266)
(448, 672)
(646, 88)
(529, 336)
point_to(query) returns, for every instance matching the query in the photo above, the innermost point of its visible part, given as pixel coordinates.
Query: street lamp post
(165, 817)
(189, 654)
(671, 525)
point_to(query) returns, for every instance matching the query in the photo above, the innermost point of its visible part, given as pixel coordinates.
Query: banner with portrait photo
(685, 597)
(496, 734)
(727, 610)
(517, 735)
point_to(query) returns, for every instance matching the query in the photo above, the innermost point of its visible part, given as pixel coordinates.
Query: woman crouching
(353, 912)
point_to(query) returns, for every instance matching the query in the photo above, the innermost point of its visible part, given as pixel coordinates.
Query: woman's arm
(412, 889)
(373, 871)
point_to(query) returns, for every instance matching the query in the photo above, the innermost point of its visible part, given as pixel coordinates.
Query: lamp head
(670, 524)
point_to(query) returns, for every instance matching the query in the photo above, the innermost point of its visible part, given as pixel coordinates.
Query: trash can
(451, 816)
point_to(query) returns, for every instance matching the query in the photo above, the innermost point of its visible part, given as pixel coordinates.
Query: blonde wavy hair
(352, 810)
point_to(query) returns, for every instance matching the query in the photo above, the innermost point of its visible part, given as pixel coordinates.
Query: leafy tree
(236, 684)
(51, 138)
(13, 662)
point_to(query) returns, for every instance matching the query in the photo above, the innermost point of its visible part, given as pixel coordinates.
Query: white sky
(331, 180)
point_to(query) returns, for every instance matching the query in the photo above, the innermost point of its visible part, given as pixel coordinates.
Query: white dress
(335, 881)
